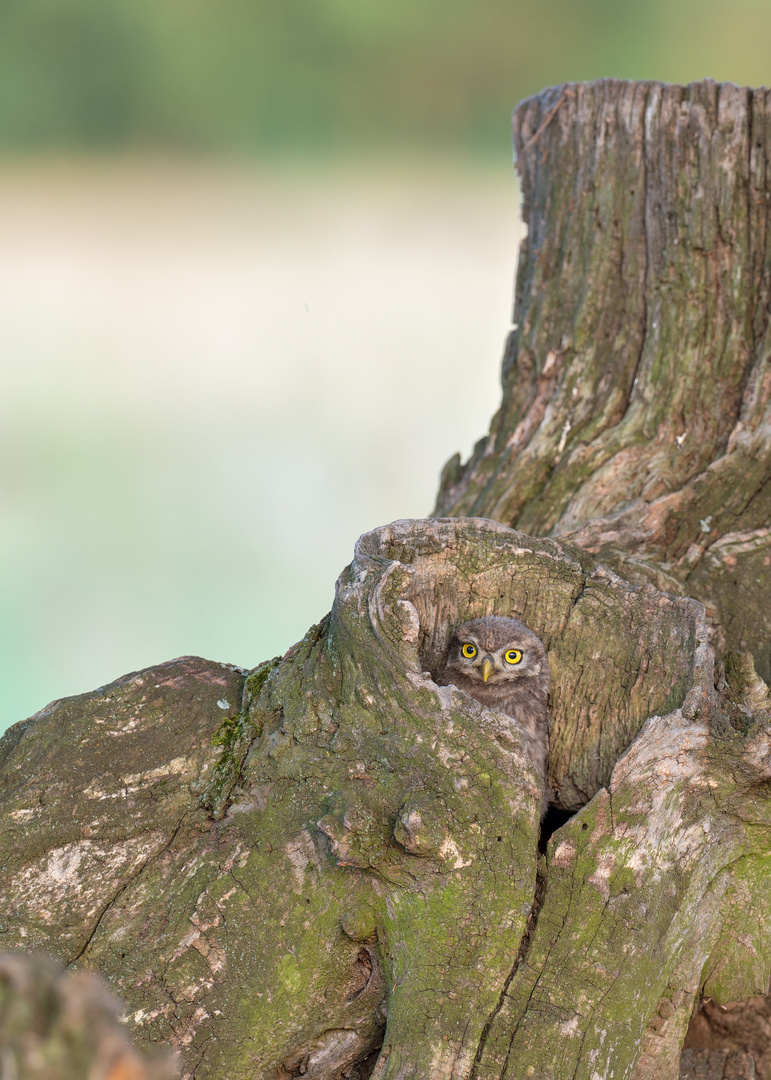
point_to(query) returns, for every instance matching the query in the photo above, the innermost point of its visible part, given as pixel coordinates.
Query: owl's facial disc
(470, 653)
(491, 665)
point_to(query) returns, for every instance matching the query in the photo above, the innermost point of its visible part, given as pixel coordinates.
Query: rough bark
(635, 416)
(277, 871)
(330, 864)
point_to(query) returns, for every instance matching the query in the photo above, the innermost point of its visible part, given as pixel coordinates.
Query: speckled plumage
(519, 690)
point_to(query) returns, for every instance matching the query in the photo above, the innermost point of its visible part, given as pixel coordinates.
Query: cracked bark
(633, 431)
(240, 940)
(635, 417)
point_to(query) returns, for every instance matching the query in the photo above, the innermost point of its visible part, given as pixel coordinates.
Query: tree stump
(279, 871)
(329, 866)
(635, 417)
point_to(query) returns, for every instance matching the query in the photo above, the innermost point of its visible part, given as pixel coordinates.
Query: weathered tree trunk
(635, 419)
(330, 863)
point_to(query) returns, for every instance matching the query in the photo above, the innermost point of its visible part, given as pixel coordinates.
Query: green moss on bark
(347, 852)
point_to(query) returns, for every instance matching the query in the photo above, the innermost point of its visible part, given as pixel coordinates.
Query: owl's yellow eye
(468, 650)
(512, 656)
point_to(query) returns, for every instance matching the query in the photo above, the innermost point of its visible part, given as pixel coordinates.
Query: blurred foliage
(327, 74)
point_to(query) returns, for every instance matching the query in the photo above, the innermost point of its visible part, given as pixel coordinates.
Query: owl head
(494, 649)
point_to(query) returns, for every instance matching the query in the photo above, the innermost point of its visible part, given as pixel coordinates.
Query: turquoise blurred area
(213, 378)
(256, 270)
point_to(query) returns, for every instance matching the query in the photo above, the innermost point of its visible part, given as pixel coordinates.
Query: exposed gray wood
(635, 416)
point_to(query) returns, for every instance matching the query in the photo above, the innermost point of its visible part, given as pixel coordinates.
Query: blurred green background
(331, 75)
(256, 263)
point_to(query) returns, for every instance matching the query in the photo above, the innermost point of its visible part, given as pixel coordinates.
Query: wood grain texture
(635, 416)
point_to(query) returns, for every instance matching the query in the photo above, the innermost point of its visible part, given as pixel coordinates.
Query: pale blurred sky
(214, 377)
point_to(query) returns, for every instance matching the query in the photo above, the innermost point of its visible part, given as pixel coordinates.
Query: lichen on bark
(635, 418)
(347, 853)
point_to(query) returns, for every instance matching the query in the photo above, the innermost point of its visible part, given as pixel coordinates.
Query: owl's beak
(487, 668)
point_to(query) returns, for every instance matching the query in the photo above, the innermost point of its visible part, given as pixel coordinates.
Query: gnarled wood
(635, 418)
(353, 847)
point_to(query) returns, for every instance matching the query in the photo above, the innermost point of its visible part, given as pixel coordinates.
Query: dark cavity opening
(554, 818)
(364, 1069)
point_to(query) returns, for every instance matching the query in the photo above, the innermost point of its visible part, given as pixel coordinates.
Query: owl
(502, 664)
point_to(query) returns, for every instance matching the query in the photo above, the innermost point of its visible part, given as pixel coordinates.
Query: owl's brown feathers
(517, 686)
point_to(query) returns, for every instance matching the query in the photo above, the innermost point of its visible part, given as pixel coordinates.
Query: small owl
(502, 664)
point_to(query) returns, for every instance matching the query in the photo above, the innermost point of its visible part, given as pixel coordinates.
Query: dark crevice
(242, 692)
(554, 818)
(216, 801)
(579, 594)
(540, 893)
(524, 945)
(535, 911)
(362, 1070)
